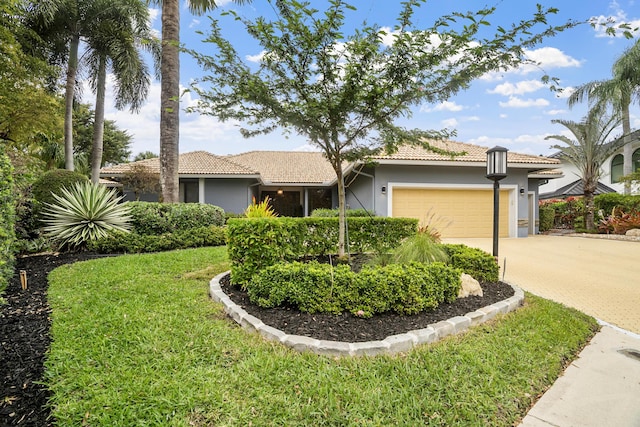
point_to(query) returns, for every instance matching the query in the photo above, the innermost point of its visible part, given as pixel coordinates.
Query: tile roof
(472, 153)
(288, 167)
(576, 188)
(193, 163)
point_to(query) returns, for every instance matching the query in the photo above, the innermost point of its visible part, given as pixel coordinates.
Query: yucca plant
(83, 213)
(260, 210)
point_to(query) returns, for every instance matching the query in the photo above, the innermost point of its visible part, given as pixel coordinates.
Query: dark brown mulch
(350, 328)
(24, 340)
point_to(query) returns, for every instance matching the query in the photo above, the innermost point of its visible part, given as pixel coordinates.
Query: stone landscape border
(392, 344)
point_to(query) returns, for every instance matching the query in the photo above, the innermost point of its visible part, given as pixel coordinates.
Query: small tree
(141, 179)
(345, 93)
(588, 151)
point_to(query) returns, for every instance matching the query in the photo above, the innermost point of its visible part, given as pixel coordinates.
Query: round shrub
(153, 218)
(52, 182)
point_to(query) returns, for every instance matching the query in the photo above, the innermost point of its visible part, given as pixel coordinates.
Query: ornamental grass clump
(83, 213)
(260, 210)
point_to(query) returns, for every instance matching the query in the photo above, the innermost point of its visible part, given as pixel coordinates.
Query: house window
(636, 160)
(617, 168)
(320, 198)
(190, 192)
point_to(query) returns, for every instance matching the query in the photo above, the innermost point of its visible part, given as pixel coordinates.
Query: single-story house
(575, 189)
(610, 173)
(450, 193)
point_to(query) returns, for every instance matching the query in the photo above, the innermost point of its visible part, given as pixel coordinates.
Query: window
(635, 159)
(616, 168)
(190, 191)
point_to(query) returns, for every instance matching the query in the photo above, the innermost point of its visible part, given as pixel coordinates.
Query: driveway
(599, 277)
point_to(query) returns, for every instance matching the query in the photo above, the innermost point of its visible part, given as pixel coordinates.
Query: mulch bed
(24, 340)
(25, 323)
(350, 328)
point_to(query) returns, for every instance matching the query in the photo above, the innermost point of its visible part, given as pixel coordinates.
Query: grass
(136, 341)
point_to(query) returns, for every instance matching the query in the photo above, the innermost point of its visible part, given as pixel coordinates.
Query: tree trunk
(72, 69)
(169, 101)
(342, 210)
(589, 221)
(98, 122)
(627, 166)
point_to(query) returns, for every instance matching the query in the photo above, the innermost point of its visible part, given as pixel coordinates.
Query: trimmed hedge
(333, 213)
(152, 218)
(139, 243)
(7, 218)
(547, 217)
(313, 287)
(607, 202)
(52, 182)
(473, 261)
(256, 243)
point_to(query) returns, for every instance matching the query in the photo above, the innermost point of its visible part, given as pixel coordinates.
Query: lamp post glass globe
(496, 170)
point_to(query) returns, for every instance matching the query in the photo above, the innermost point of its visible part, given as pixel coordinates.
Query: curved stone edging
(391, 345)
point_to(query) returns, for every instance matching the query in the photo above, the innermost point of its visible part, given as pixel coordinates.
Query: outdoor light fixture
(496, 170)
(280, 192)
(384, 190)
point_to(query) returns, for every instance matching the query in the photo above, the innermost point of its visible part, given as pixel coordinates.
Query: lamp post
(496, 170)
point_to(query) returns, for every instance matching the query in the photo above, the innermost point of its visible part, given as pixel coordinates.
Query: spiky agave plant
(85, 212)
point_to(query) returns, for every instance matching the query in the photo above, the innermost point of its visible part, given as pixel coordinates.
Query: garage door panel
(455, 213)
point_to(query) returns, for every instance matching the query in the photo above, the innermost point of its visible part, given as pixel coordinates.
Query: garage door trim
(511, 188)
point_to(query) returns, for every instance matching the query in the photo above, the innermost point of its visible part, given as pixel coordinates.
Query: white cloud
(547, 58)
(194, 23)
(519, 88)
(472, 119)
(565, 92)
(602, 22)
(488, 140)
(444, 106)
(307, 147)
(256, 58)
(503, 116)
(515, 102)
(556, 112)
(450, 123)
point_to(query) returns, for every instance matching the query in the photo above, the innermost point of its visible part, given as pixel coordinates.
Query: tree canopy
(347, 93)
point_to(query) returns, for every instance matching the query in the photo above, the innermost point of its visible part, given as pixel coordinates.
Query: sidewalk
(600, 388)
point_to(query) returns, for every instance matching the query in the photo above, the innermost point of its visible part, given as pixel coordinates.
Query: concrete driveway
(599, 277)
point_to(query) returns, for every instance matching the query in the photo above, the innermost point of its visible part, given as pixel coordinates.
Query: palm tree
(170, 92)
(115, 44)
(589, 150)
(618, 92)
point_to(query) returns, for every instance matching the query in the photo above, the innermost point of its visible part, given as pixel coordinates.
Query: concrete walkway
(601, 278)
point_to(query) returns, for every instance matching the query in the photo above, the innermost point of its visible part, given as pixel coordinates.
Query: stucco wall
(232, 195)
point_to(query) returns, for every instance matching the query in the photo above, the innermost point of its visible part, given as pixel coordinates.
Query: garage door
(455, 213)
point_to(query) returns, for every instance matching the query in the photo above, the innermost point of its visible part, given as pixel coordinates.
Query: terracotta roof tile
(473, 153)
(288, 167)
(193, 163)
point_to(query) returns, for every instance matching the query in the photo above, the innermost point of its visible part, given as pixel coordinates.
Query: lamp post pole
(496, 170)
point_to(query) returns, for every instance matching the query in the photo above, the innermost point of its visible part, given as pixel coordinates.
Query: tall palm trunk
(169, 101)
(72, 69)
(627, 153)
(98, 122)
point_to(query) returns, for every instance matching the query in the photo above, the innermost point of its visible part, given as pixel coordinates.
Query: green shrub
(260, 210)
(333, 213)
(420, 247)
(83, 213)
(473, 261)
(139, 243)
(607, 202)
(153, 218)
(547, 216)
(256, 243)
(52, 182)
(313, 287)
(7, 233)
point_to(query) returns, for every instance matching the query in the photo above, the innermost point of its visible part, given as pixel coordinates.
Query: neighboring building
(448, 192)
(611, 171)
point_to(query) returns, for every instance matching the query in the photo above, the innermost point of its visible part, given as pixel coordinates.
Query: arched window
(616, 168)
(636, 160)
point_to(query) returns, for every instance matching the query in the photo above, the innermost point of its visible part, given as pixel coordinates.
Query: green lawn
(137, 341)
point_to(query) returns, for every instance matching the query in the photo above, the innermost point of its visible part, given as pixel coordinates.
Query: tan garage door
(455, 213)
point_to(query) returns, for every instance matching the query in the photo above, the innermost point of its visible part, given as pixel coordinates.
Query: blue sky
(511, 109)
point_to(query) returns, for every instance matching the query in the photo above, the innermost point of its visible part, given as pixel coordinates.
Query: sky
(512, 109)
